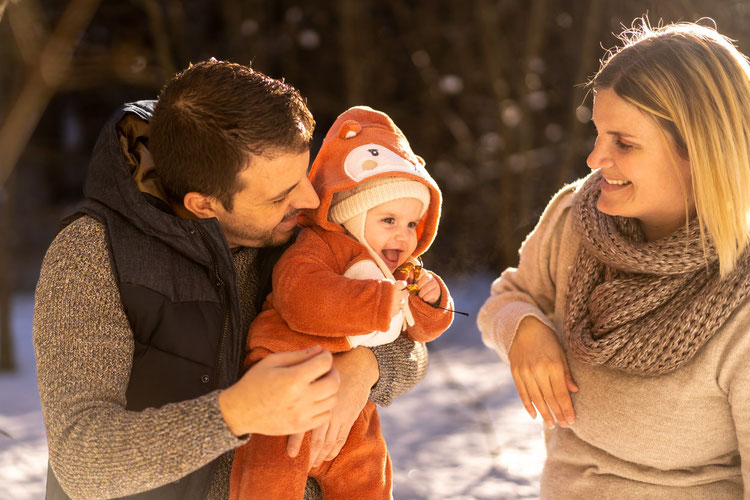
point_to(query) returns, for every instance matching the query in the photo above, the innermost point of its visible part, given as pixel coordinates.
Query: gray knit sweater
(84, 350)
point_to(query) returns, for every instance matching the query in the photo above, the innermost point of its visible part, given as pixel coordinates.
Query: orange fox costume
(332, 290)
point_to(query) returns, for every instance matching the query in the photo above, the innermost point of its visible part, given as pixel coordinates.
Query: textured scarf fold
(644, 308)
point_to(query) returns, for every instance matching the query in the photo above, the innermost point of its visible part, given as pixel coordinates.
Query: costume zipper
(222, 296)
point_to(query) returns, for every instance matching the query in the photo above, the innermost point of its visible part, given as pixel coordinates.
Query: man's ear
(201, 205)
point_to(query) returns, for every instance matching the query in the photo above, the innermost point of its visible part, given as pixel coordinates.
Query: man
(145, 298)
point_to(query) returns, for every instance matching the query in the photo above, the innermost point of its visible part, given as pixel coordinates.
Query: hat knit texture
(346, 205)
(644, 307)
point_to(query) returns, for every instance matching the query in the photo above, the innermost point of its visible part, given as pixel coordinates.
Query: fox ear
(349, 129)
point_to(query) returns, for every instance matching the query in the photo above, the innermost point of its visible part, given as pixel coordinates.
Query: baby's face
(391, 230)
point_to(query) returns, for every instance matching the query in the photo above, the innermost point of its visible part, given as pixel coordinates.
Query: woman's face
(641, 170)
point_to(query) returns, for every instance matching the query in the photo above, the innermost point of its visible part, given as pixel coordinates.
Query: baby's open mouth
(391, 256)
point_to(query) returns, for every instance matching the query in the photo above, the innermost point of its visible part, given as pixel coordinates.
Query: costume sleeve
(314, 298)
(84, 351)
(402, 364)
(430, 321)
(528, 290)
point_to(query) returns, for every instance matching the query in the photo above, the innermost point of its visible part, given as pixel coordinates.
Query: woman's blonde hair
(695, 84)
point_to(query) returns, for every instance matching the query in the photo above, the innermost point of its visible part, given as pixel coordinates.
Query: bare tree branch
(97, 71)
(351, 30)
(158, 30)
(42, 82)
(26, 22)
(3, 5)
(178, 27)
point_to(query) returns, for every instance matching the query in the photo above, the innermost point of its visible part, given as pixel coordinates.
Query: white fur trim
(371, 159)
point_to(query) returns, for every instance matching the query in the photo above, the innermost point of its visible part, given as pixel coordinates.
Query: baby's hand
(429, 289)
(399, 298)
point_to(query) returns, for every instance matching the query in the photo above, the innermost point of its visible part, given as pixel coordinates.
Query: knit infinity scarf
(644, 308)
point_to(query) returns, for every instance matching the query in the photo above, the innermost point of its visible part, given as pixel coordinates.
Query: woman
(630, 294)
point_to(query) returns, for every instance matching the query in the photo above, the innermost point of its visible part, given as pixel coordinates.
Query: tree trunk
(7, 357)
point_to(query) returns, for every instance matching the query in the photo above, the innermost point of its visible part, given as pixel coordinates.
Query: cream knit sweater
(678, 436)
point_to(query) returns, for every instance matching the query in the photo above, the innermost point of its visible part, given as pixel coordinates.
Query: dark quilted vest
(178, 287)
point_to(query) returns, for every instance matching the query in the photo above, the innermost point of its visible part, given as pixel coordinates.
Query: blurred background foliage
(489, 92)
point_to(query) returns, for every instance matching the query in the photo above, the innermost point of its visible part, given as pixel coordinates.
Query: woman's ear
(201, 205)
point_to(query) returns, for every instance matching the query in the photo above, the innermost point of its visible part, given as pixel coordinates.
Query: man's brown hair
(210, 121)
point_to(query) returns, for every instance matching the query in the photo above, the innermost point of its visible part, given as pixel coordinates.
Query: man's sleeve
(84, 351)
(402, 364)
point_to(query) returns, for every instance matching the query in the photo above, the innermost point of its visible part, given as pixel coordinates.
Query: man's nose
(306, 196)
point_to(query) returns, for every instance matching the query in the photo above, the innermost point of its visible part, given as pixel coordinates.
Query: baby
(335, 287)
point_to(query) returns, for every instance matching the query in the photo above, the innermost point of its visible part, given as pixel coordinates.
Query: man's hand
(284, 393)
(541, 373)
(359, 372)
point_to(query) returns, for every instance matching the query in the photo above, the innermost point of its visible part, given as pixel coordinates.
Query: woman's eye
(621, 145)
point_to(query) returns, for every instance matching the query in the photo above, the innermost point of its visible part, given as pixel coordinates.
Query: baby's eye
(413, 225)
(389, 220)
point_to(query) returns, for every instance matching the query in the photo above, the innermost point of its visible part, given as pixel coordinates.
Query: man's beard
(253, 237)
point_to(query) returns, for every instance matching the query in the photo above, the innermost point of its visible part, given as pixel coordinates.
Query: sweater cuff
(402, 364)
(506, 325)
(215, 420)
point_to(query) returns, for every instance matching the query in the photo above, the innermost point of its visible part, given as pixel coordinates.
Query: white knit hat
(346, 205)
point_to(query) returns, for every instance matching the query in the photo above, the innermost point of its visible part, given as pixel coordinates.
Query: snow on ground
(461, 434)
(23, 455)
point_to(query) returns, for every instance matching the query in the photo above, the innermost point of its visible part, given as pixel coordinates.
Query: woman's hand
(541, 373)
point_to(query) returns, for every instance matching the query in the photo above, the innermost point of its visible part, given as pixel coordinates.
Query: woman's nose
(598, 157)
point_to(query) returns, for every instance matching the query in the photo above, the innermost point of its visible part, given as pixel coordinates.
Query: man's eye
(278, 202)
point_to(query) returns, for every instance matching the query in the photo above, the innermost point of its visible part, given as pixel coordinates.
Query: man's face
(272, 192)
